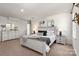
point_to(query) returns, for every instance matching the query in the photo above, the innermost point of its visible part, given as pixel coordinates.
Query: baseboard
(10, 39)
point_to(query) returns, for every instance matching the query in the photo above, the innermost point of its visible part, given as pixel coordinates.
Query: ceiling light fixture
(22, 10)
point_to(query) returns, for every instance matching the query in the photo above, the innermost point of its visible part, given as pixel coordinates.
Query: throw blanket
(47, 40)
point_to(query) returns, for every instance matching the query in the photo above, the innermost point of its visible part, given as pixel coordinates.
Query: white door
(28, 29)
(76, 38)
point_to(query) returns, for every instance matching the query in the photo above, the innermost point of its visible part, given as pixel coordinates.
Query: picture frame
(43, 23)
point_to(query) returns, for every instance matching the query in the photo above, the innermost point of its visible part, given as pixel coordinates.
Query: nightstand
(61, 39)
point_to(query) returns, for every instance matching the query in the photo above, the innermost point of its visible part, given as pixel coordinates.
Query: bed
(37, 43)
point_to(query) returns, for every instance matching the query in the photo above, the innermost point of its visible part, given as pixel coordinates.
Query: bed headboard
(44, 32)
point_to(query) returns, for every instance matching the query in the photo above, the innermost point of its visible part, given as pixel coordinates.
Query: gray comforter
(44, 39)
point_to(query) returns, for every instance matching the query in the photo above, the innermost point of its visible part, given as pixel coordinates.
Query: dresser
(9, 34)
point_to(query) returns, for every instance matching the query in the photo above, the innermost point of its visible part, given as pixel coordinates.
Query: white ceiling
(33, 9)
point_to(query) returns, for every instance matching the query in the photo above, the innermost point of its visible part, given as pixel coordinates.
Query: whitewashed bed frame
(36, 45)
